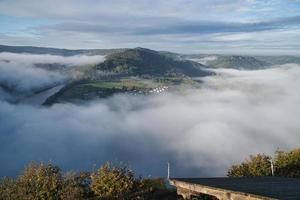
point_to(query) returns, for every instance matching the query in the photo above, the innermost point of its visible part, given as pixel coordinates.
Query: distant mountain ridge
(279, 60)
(56, 51)
(238, 62)
(222, 61)
(71, 52)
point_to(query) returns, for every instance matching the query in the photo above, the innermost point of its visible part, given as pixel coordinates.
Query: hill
(279, 60)
(140, 61)
(237, 62)
(133, 71)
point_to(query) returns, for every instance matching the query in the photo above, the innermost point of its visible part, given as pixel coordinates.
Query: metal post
(168, 177)
(272, 166)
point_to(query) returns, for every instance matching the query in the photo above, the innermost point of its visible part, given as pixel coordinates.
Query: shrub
(150, 189)
(75, 186)
(258, 165)
(286, 164)
(9, 189)
(40, 181)
(113, 182)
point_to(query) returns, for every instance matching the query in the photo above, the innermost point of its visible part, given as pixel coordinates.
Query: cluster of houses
(159, 90)
(156, 90)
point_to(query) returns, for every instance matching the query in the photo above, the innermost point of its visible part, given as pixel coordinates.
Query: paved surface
(274, 187)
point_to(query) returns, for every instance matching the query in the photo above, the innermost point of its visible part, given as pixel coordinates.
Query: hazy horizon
(297, 54)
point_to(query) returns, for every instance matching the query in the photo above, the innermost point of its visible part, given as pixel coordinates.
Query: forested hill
(238, 62)
(141, 61)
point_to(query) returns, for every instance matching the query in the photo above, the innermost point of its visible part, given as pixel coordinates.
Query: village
(152, 91)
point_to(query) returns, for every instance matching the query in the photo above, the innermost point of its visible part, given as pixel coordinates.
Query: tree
(75, 186)
(9, 189)
(258, 165)
(41, 182)
(113, 182)
(286, 164)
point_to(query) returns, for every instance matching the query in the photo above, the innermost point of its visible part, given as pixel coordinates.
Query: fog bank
(200, 132)
(19, 72)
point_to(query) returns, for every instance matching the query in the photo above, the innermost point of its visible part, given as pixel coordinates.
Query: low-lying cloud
(20, 71)
(45, 59)
(201, 132)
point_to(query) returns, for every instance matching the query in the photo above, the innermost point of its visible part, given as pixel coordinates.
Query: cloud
(19, 72)
(204, 27)
(201, 132)
(91, 9)
(131, 23)
(46, 59)
(169, 26)
(233, 37)
(25, 78)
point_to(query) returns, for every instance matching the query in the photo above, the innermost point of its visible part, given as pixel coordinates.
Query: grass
(102, 89)
(127, 83)
(91, 90)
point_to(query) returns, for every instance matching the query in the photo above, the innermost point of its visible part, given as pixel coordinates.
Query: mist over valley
(82, 110)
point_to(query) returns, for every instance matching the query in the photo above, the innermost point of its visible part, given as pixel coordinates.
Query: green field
(82, 91)
(100, 89)
(125, 83)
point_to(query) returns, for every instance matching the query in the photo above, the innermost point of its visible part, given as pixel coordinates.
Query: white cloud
(88, 9)
(201, 132)
(19, 72)
(46, 59)
(233, 37)
(131, 23)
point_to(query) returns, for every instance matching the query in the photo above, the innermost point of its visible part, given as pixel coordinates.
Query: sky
(185, 26)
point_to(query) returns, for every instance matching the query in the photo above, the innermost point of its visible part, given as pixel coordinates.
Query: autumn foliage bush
(40, 181)
(286, 164)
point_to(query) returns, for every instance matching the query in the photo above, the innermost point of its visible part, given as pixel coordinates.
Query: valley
(136, 71)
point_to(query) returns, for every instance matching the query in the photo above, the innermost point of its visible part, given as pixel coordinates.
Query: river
(40, 98)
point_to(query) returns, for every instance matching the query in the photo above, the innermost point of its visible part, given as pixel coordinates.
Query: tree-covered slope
(238, 62)
(279, 60)
(133, 71)
(140, 61)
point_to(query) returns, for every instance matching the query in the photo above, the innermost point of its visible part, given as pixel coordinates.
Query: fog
(20, 73)
(200, 132)
(205, 59)
(24, 77)
(44, 58)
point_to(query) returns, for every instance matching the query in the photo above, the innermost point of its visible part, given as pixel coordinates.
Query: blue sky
(188, 26)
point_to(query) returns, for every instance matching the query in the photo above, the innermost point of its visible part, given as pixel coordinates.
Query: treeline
(40, 181)
(285, 164)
